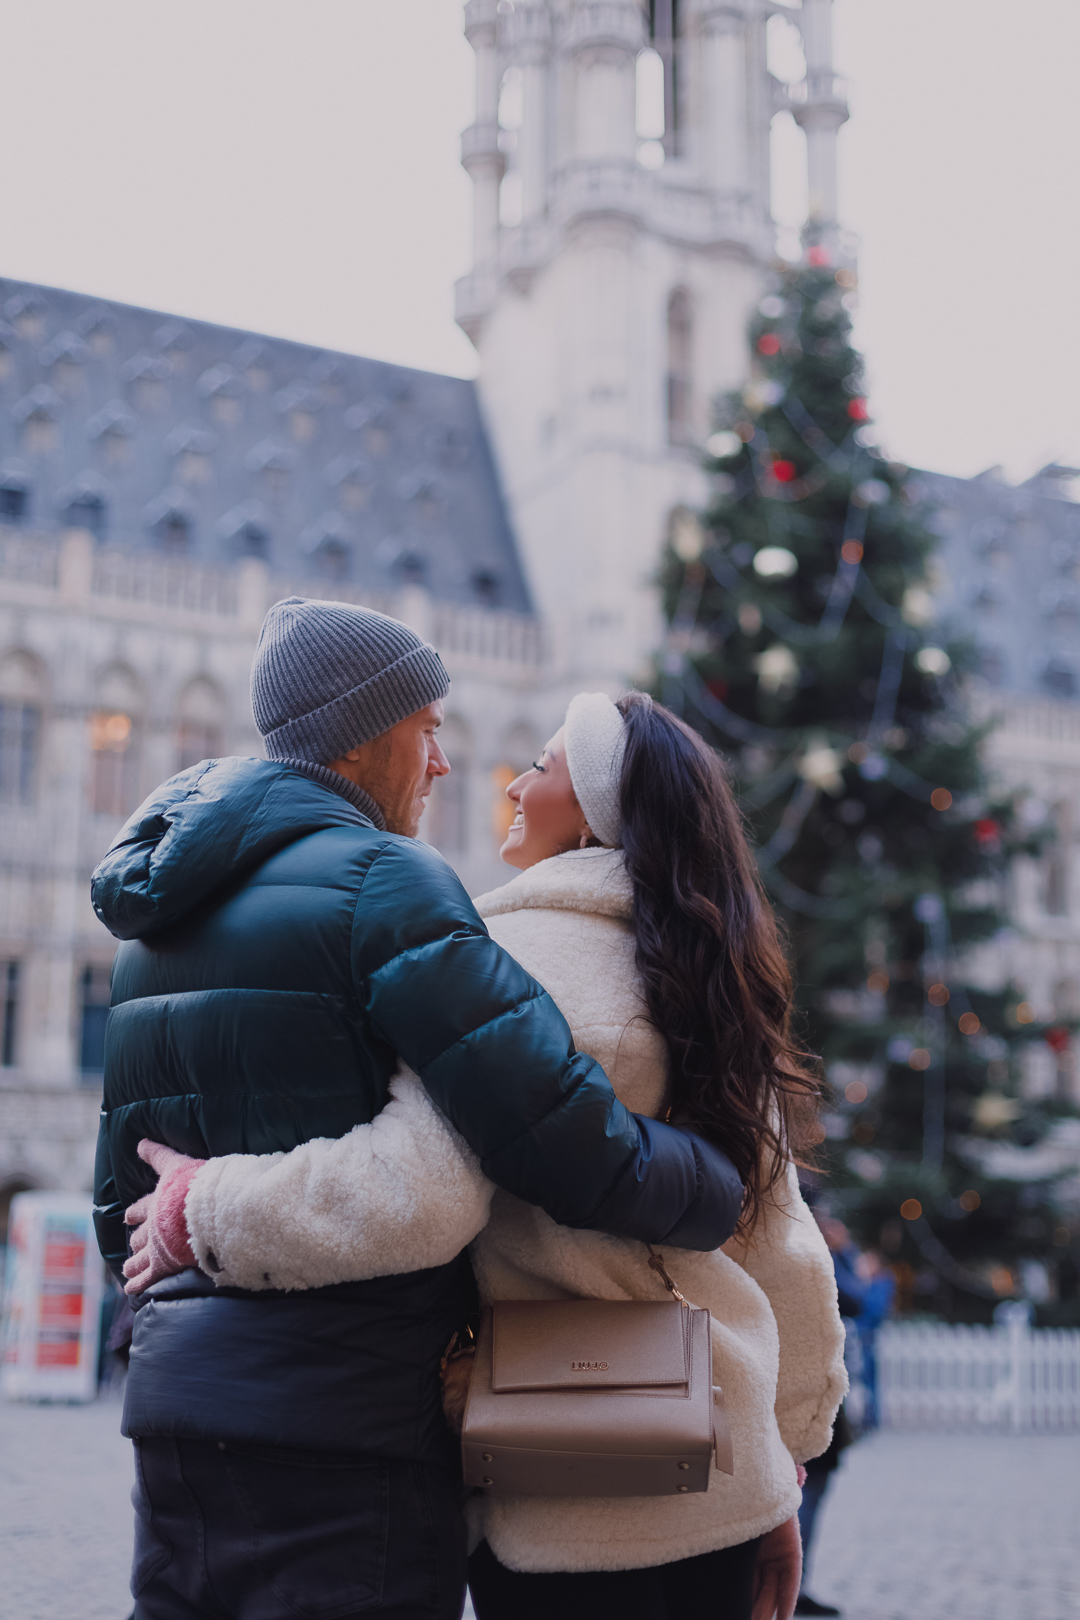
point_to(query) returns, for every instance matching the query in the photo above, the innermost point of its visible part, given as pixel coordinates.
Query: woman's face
(549, 819)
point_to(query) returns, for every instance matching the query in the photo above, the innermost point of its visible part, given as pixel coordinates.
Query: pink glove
(161, 1245)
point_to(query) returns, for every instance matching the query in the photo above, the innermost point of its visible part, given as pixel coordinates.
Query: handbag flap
(588, 1344)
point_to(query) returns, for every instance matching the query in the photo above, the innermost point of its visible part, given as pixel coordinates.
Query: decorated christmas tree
(802, 642)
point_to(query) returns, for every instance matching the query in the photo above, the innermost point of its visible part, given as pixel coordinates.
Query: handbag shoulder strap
(656, 1263)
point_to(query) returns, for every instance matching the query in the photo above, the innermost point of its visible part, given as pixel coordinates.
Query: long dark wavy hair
(716, 981)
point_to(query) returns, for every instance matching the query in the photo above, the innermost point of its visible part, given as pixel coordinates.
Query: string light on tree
(805, 644)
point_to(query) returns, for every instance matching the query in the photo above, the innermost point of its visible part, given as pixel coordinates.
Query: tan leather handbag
(594, 1397)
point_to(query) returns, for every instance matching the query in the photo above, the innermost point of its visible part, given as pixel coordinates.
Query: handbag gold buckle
(656, 1263)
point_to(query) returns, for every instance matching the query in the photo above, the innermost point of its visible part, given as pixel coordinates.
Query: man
(287, 940)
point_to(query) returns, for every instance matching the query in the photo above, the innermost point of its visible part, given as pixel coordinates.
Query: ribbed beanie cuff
(329, 676)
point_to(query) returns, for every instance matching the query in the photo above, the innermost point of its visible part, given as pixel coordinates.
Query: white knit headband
(595, 744)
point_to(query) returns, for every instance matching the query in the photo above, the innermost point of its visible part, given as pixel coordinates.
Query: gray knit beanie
(328, 677)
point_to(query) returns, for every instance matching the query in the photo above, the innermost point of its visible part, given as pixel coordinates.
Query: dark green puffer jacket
(280, 955)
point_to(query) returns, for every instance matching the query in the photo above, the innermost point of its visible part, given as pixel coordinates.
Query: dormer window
(301, 406)
(487, 586)
(174, 533)
(38, 413)
(86, 510)
(14, 500)
(65, 358)
(98, 327)
(329, 543)
(169, 520)
(333, 559)
(112, 428)
(252, 361)
(252, 541)
(411, 567)
(147, 375)
(7, 344)
(353, 481)
(274, 462)
(192, 447)
(173, 339)
(372, 418)
(424, 491)
(223, 390)
(26, 312)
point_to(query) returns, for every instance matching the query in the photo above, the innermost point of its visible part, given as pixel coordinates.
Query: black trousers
(714, 1586)
(226, 1532)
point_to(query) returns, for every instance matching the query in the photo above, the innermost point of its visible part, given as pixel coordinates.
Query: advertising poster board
(52, 1299)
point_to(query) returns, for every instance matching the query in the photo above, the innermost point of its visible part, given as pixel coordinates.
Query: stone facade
(162, 482)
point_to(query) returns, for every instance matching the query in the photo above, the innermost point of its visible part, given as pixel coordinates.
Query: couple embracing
(346, 1108)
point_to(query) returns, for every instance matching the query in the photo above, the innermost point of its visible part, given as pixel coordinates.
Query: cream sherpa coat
(405, 1192)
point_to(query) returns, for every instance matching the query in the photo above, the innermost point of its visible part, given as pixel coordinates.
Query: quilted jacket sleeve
(787, 1257)
(398, 1195)
(496, 1055)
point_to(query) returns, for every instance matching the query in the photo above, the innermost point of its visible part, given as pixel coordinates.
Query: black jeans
(716, 1585)
(259, 1533)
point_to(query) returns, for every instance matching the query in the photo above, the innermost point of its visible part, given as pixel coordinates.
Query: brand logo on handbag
(588, 1366)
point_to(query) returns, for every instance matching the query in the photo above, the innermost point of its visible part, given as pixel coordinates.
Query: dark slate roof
(1009, 571)
(154, 431)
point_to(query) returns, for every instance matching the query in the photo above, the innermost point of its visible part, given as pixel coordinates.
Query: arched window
(114, 745)
(20, 727)
(447, 814)
(201, 732)
(680, 345)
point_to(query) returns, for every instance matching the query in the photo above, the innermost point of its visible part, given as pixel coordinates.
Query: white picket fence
(1010, 1376)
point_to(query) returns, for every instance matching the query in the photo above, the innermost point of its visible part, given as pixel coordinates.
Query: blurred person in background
(865, 1290)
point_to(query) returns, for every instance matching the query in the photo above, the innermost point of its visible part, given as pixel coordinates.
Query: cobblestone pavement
(953, 1527)
(916, 1527)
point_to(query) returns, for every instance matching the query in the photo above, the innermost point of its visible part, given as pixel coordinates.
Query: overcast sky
(291, 166)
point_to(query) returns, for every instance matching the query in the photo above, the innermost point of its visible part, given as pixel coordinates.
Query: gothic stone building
(163, 481)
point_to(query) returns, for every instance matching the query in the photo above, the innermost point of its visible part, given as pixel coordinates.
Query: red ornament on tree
(783, 471)
(718, 688)
(818, 256)
(987, 833)
(1057, 1039)
(857, 411)
(768, 343)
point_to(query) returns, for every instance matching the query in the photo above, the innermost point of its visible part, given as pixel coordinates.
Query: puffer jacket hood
(206, 827)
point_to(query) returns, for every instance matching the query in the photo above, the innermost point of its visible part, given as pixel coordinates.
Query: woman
(638, 909)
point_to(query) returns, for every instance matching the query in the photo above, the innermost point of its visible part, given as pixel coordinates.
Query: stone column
(480, 154)
(821, 111)
(525, 41)
(724, 110)
(600, 40)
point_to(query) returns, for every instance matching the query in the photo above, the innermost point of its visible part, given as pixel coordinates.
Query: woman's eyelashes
(536, 765)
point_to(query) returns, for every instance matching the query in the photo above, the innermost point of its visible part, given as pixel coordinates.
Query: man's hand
(160, 1244)
(779, 1571)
